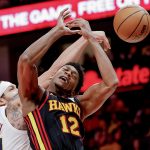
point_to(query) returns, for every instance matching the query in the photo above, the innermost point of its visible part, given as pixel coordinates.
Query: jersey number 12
(73, 129)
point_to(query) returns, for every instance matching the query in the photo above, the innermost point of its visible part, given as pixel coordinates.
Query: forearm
(74, 52)
(105, 67)
(37, 50)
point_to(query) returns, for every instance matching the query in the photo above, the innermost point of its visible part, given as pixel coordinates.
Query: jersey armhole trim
(45, 95)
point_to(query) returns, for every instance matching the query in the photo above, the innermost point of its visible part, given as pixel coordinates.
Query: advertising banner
(43, 15)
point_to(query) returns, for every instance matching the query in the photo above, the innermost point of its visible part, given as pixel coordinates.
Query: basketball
(132, 23)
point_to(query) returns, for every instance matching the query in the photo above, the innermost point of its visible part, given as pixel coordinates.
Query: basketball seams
(122, 9)
(147, 25)
(127, 18)
(147, 16)
(136, 26)
(146, 32)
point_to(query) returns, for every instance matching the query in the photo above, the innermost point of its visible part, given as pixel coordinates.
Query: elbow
(114, 84)
(23, 59)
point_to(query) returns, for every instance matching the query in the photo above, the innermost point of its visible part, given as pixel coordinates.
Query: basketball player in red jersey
(54, 117)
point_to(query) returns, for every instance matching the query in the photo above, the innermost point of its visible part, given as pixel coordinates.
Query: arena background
(124, 120)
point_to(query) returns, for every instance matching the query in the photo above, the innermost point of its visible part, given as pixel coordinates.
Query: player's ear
(2, 102)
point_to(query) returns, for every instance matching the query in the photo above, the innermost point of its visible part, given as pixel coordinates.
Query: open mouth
(65, 79)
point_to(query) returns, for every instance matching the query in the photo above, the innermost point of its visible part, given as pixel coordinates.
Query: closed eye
(12, 87)
(65, 69)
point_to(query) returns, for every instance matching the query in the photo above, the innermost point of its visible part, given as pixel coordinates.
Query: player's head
(69, 78)
(80, 71)
(7, 92)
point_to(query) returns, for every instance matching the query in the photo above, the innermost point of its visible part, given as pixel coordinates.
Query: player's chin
(61, 85)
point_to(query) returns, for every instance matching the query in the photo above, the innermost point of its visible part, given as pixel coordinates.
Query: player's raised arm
(27, 71)
(96, 95)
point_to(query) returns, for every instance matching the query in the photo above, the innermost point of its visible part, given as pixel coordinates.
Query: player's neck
(59, 91)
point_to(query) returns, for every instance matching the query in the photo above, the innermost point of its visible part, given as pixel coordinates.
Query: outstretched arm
(95, 96)
(103, 90)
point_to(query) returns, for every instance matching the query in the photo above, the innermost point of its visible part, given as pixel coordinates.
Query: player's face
(10, 93)
(66, 78)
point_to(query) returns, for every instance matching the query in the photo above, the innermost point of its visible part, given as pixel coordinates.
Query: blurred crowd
(130, 55)
(117, 127)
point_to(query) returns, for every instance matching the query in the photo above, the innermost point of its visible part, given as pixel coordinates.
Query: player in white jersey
(12, 138)
(13, 134)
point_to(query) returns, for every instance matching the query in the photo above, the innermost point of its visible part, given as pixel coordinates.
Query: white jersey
(10, 137)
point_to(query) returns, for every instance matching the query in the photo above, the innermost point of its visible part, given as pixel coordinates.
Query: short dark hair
(80, 70)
